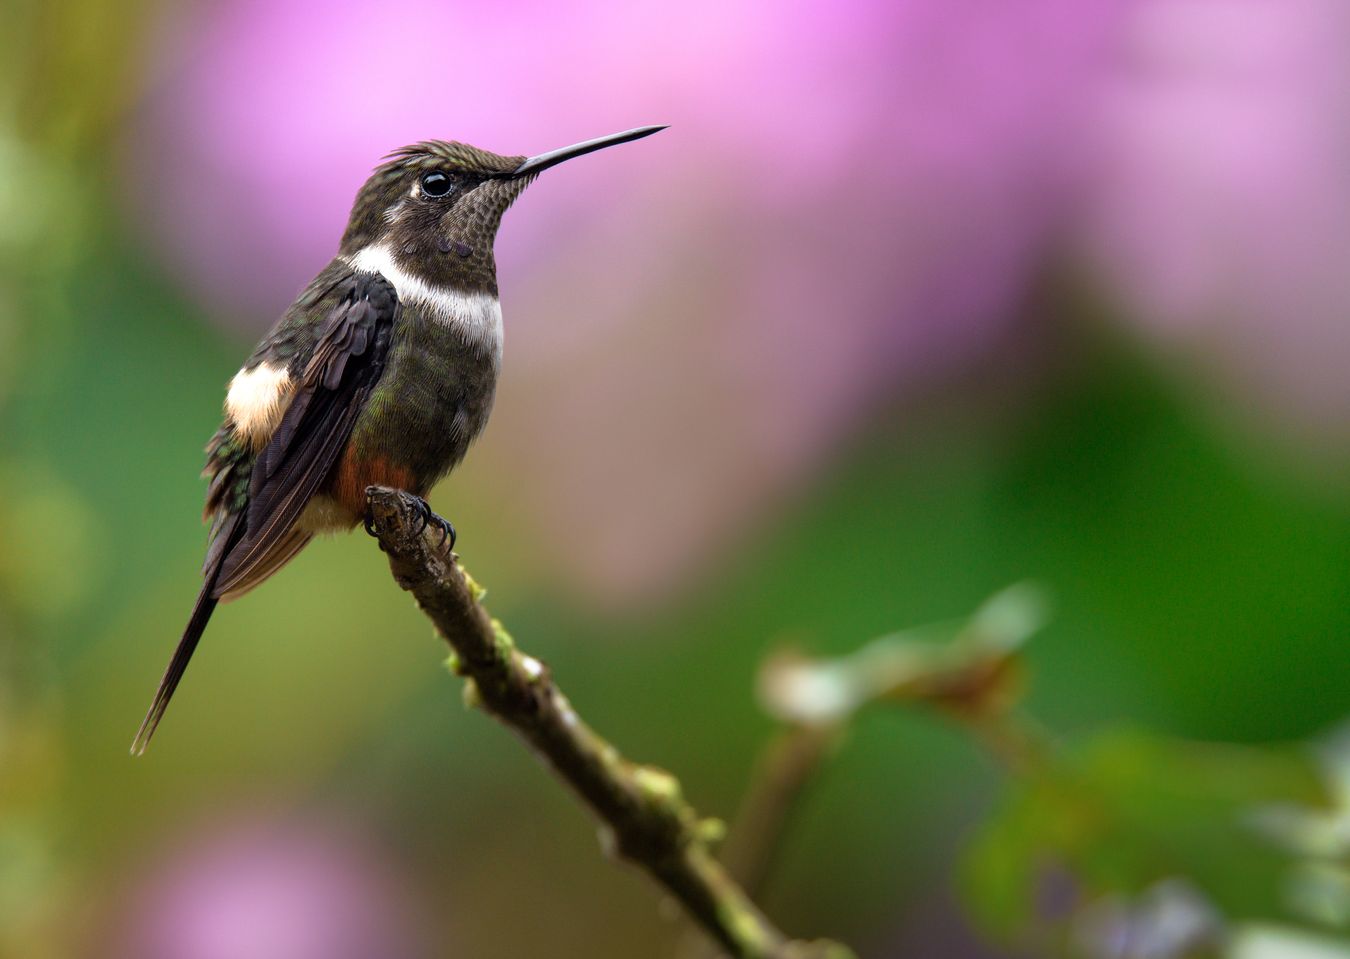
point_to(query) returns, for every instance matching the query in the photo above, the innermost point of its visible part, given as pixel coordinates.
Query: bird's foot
(425, 517)
(430, 518)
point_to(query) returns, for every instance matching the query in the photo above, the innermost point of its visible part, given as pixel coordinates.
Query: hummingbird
(382, 372)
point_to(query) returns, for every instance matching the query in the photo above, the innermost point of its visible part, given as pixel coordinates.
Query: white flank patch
(477, 316)
(325, 515)
(256, 400)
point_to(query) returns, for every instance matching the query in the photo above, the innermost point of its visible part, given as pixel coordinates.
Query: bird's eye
(436, 184)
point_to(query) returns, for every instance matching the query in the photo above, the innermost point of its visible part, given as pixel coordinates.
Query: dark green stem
(786, 767)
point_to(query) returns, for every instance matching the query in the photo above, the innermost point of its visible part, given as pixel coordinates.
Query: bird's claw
(448, 534)
(426, 517)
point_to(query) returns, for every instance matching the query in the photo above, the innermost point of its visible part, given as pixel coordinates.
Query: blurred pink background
(852, 203)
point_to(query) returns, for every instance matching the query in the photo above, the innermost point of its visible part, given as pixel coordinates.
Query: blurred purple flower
(852, 200)
(270, 891)
(1219, 205)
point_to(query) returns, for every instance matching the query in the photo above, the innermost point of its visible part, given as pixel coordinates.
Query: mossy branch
(645, 819)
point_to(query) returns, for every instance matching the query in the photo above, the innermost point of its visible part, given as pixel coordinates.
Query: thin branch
(645, 819)
(786, 767)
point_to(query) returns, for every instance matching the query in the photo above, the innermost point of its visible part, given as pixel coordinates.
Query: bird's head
(436, 206)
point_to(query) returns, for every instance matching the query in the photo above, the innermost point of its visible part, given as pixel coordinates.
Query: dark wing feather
(347, 361)
(253, 502)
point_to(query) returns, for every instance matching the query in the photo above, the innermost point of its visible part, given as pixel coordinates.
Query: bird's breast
(431, 402)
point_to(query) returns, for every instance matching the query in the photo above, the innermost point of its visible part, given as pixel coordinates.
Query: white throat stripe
(477, 315)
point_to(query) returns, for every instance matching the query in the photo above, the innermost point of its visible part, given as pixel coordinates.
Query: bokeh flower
(270, 890)
(1218, 208)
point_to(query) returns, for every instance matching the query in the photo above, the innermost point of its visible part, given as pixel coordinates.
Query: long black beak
(545, 160)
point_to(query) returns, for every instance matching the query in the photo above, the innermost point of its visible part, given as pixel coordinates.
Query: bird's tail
(226, 537)
(201, 615)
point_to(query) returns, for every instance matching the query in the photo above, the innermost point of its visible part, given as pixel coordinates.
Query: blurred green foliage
(1128, 810)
